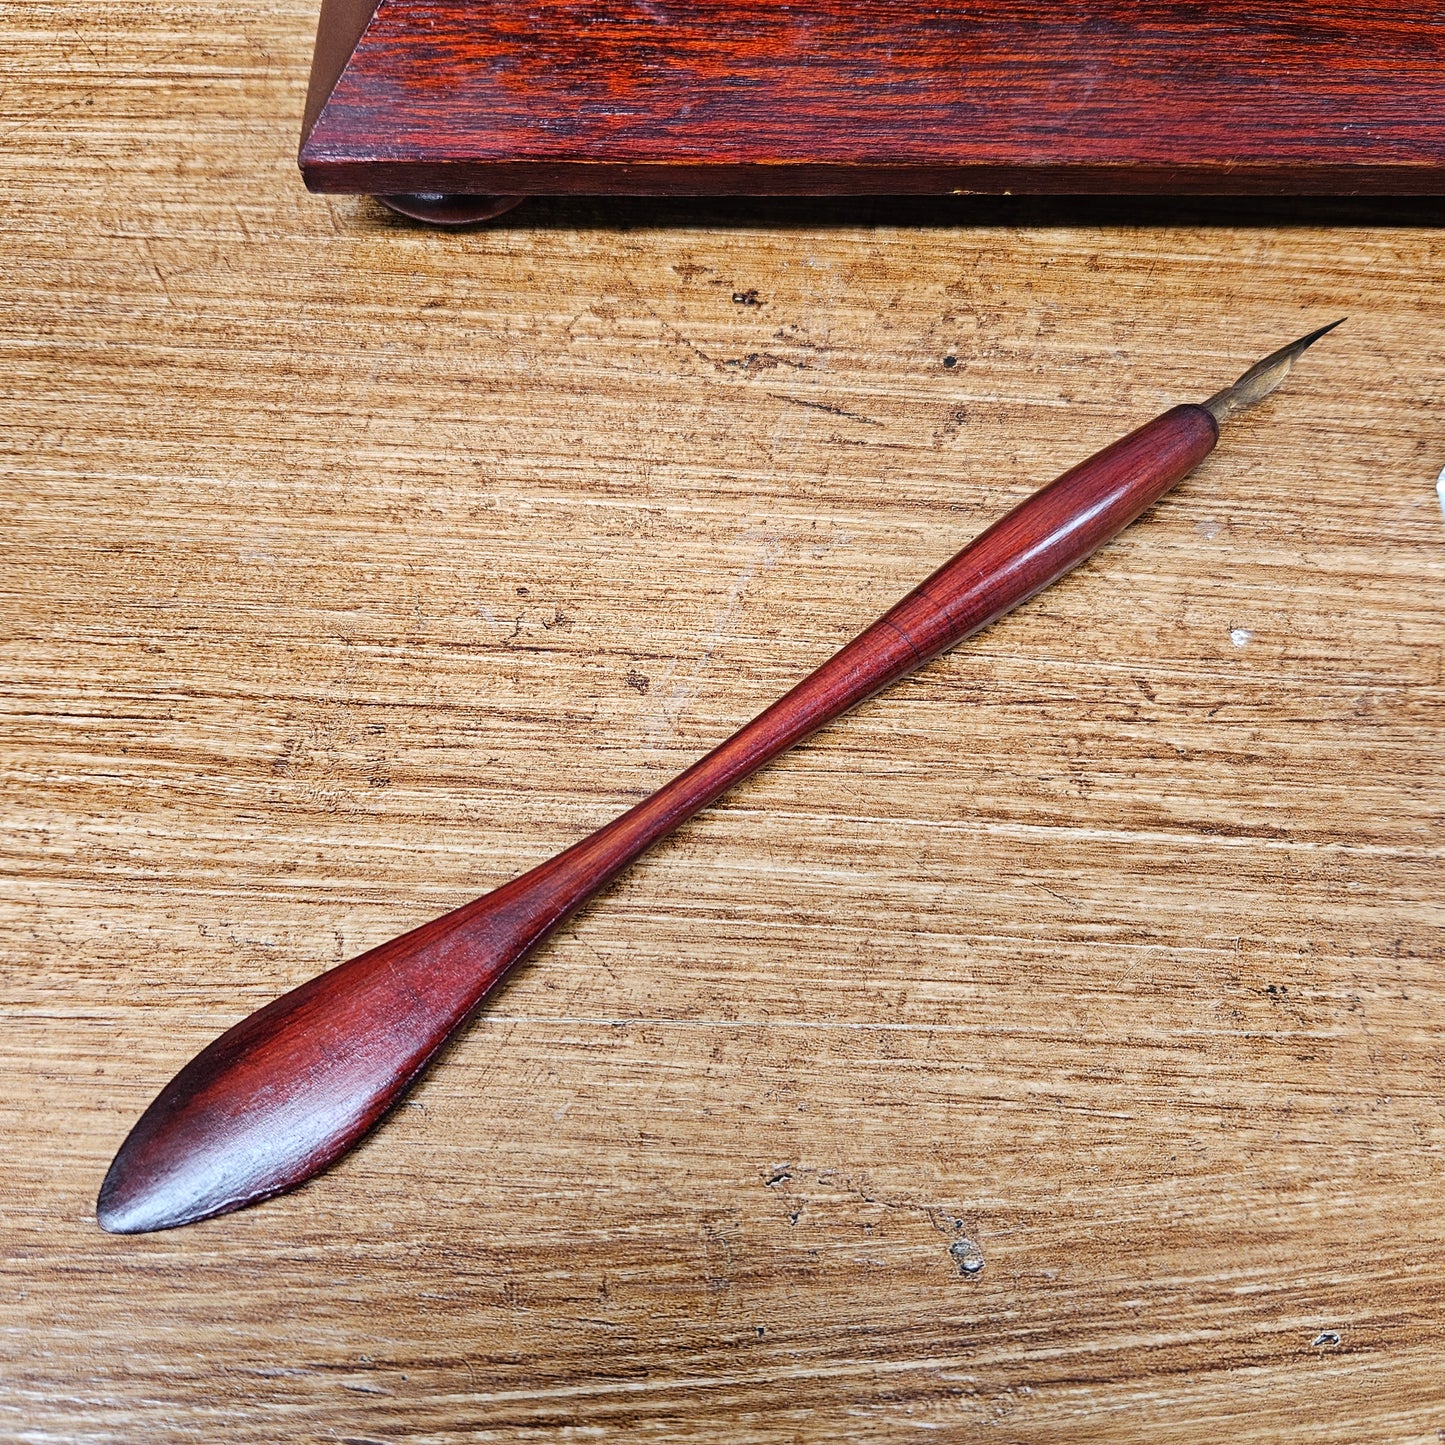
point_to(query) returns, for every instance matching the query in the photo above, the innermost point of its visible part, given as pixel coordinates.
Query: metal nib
(1262, 377)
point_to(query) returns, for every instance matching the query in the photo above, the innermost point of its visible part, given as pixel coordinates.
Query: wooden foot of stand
(451, 211)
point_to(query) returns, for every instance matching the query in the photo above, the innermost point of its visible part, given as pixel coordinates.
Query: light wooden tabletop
(350, 568)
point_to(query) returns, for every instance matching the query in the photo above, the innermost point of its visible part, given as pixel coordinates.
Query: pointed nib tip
(1287, 355)
(1315, 335)
(1263, 376)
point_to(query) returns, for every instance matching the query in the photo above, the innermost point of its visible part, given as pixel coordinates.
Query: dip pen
(290, 1089)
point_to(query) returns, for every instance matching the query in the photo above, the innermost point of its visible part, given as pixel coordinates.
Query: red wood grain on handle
(288, 1090)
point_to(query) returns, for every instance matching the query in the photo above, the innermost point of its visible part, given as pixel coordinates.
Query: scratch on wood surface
(660, 724)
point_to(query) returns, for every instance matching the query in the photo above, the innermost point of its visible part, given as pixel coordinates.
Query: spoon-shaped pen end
(1263, 377)
(287, 1091)
(265, 1106)
(127, 1206)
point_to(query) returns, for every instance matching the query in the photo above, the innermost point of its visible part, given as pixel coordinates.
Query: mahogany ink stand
(451, 110)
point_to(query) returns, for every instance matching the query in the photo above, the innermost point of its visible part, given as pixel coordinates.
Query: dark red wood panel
(828, 97)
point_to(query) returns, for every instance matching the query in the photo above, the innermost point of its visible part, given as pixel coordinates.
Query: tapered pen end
(287, 1091)
(267, 1105)
(216, 1138)
(122, 1208)
(1263, 377)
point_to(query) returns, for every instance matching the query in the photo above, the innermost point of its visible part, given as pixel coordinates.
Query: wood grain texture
(827, 97)
(350, 565)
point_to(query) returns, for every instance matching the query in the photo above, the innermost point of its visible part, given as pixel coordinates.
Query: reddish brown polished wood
(826, 97)
(292, 1087)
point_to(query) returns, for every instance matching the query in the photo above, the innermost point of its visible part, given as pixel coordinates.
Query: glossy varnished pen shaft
(288, 1090)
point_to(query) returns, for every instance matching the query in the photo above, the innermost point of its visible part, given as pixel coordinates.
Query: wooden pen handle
(291, 1088)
